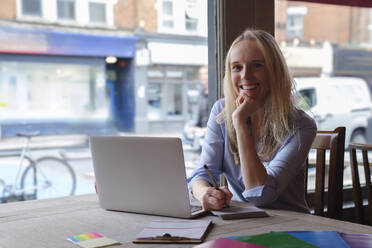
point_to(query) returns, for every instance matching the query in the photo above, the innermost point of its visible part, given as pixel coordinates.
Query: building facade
(89, 65)
(133, 65)
(311, 35)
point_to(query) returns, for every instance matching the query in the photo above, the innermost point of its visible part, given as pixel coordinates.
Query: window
(191, 20)
(334, 42)
(191, 23)
(66, 9)
(73, 95)
(31, 8)
(193, 97)
(97, 12)
(174, 100)
(295, 27)
(165, 97)
(309, 98)
(295, 22)
(154, 101)
(167, 14)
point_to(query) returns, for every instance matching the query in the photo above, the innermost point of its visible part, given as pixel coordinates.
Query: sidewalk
(44, 142)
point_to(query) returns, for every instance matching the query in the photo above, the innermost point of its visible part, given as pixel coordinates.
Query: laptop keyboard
(195, 208)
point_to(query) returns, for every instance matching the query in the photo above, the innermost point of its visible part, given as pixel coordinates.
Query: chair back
(330, 148)
(357, 189)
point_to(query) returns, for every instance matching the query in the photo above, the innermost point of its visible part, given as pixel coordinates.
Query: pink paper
(223, 243)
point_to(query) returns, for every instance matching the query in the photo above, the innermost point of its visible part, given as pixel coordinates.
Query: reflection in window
(66, 9)
(31, 7)
(97, 12)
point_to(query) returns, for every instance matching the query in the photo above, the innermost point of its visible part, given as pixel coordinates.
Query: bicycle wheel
(54, 178)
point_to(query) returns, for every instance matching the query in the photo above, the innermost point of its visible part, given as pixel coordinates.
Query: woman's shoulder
(219, 105)
(305, 121)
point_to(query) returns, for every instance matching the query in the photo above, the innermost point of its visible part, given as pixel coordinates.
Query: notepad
(174, 231)
(237, 212)
(92, 240)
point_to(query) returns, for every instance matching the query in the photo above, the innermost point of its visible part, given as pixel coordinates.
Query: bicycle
(44, 177)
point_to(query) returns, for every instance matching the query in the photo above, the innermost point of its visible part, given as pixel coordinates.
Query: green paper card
(276, 240)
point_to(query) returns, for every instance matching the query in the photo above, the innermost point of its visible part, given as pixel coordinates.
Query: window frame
(27, 16)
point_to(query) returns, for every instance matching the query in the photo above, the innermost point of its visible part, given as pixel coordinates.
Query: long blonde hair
(279, 108)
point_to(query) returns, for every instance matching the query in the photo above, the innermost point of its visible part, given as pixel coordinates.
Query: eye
(236, 67)
(257, 65)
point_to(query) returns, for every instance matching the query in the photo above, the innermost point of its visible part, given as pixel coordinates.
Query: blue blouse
(284, 187)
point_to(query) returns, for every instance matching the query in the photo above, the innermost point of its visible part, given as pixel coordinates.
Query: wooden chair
(357, 189)
(329, 198)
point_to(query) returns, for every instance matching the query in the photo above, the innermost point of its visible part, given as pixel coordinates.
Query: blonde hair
(279, 108)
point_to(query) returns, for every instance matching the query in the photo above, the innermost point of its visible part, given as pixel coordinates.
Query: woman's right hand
(215, 199)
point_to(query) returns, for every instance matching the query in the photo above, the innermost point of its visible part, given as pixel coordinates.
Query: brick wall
(337, 24)
(324, 21)
(148, 13)
(130, 13)
(8, 9)
(125, 15)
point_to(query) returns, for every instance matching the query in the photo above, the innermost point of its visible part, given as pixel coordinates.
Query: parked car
(338, 101)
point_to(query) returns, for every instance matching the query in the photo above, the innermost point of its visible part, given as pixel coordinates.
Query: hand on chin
(245, 107)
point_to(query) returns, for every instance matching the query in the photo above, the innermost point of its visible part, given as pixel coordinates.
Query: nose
(246, 72)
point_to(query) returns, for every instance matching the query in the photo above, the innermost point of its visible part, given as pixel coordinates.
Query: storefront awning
(46, 42)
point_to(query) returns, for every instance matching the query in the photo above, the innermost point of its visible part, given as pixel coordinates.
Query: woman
(256, 136)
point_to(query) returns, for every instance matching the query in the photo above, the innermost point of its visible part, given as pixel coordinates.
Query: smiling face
(248, 73)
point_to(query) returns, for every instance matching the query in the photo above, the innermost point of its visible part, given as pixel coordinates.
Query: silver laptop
(141, 175)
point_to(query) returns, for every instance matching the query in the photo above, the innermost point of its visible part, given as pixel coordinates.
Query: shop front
(59, 83)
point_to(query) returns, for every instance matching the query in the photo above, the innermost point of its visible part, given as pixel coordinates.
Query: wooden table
(47, 223)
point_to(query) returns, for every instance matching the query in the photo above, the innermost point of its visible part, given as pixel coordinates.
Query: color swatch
(92, 240)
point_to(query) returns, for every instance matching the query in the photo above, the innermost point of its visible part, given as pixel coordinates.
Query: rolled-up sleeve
(286, 164)
(212, 151)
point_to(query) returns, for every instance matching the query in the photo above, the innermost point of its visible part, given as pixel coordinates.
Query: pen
(214, 181)
(211, 176)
